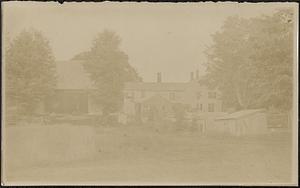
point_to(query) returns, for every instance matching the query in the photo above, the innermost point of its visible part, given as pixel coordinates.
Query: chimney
(192, 76)
(158, 77)
(197, 74)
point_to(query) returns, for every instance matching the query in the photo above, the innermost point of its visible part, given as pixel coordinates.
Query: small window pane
(211, 107)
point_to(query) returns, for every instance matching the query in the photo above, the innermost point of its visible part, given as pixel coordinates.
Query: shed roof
(240, 114)
(71, 75)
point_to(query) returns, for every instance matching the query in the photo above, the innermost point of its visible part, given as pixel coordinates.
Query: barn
(74, 91)
(245, 122)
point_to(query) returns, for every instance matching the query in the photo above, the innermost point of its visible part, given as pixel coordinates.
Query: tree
(225, 59)
(29, 71)
(273, 50)
(251, 61)
(109, 69)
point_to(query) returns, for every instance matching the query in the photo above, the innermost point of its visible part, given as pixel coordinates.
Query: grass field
(146, 155)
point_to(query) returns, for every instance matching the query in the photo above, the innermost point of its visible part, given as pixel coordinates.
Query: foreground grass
(149, 155)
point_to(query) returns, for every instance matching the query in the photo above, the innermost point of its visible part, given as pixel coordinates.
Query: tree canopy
(29, 71)
(251, 61)
(109, 69)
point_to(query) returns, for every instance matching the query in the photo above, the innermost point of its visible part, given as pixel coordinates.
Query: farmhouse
(157, 100)
(245, 122)
(145, 101)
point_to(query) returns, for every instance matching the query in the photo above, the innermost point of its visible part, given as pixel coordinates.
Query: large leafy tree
(109, 69)
(29, 71)
(251, 61)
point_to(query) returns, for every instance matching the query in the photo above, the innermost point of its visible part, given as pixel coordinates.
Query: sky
(158, 37)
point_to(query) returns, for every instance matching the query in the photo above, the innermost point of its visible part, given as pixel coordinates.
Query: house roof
(154, 86)
(239, 114)
(71, 75)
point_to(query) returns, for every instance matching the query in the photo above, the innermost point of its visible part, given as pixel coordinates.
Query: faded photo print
(128, 93)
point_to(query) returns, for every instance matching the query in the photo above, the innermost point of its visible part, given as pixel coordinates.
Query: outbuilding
(245, 122)
(74, 91)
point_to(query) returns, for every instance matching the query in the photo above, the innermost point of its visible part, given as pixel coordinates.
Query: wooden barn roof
(71, 75)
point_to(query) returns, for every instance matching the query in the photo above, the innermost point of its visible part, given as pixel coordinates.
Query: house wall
(156, 109)
(131, 98)
(188, 96)
(138, 96)
(40, 108)
(196, 95)
(129, 107)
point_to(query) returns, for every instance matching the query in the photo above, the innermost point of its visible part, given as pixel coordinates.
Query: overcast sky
(158, 37)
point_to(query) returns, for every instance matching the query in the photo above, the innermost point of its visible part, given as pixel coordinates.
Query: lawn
(148, 155)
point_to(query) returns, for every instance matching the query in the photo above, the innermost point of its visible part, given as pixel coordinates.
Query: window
(199, 107)
(172, 96)
(198, 95)
(127, 95)
(212, 95)
(211, 107)
(143, 94)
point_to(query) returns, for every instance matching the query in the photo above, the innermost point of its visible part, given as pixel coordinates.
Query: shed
(245, 122)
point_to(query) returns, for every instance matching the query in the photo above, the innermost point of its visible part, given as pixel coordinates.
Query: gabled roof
(154, 86)
(71, 75)
(240, 114)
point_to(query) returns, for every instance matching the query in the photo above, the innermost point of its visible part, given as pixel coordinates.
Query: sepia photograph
(140, 93)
